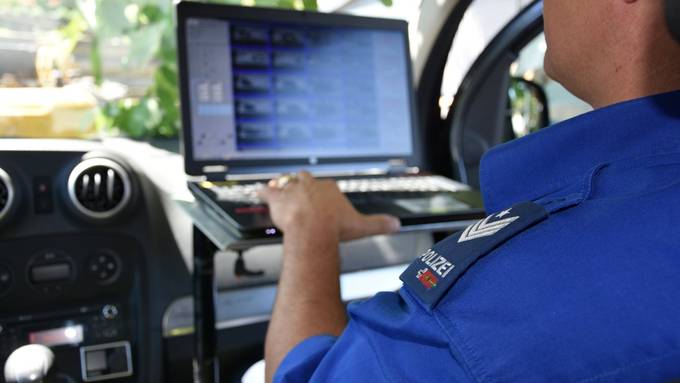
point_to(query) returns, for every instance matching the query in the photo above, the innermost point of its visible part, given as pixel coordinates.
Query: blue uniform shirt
(589, 292)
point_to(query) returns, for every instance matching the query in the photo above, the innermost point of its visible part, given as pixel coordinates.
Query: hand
(306, 206)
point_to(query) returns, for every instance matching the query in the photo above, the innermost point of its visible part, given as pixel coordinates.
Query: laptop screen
(262, 89)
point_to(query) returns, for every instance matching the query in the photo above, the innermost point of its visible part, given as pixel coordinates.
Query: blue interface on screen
(267, 91)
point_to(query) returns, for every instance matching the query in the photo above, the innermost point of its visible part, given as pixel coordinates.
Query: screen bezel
(186, 10)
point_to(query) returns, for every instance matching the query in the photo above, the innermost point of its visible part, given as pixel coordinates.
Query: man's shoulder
(545, 290)
(587, 291)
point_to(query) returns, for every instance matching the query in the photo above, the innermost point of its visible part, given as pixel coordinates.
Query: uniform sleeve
(320, 359)
(389, 338)
(301, 361)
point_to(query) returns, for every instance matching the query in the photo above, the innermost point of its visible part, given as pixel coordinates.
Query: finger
(305, 177)
(332, 184)
(375, 224)
(269, 193)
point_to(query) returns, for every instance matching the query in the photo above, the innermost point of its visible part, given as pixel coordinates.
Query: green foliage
(149, 26)
(524, 102)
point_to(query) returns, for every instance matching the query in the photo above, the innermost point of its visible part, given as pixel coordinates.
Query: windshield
(97, 68)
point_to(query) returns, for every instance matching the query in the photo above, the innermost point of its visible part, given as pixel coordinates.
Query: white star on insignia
(503, 213)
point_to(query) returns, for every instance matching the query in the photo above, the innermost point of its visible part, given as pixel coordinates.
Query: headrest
(673, 17)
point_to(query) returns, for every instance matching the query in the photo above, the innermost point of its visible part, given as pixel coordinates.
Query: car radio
(90, 343)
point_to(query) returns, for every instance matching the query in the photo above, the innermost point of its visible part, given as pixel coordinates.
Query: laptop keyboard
(247, 193)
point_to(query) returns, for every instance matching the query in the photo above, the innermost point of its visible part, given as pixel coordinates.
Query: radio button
(110, 312)
(104, 266)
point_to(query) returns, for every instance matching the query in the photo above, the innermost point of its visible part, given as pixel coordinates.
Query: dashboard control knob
(110, 312)
(104, 266)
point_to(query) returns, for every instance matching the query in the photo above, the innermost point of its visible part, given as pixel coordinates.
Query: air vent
(6, 193)
(99, 188)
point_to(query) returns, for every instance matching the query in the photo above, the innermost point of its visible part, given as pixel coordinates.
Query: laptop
(266, 92)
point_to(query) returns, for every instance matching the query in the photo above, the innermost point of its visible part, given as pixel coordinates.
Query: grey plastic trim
(236, 308)
(4, 177)
(515, 35)
(90, 163)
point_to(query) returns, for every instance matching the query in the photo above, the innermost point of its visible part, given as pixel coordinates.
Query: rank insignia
(434, 272)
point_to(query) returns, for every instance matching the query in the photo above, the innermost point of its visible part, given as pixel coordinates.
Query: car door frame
(481, 99)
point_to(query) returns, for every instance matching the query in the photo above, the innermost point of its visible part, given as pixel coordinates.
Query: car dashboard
(73, 256)
(95, 258)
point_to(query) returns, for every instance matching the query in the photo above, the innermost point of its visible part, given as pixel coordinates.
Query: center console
(75, 294)
(73, 247)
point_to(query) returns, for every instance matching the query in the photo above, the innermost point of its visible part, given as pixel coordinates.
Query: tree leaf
(166, 6)
(111, 19)
(310, 5)
(387, 3)
(153, 13)
(233, 2)
(74, 28)
(280, 3)
(144, 44)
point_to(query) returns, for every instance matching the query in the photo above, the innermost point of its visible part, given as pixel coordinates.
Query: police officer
(575, 276)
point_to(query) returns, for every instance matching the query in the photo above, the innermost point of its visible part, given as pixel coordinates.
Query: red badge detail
(427, 278)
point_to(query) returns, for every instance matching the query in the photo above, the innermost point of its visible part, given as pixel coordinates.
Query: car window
(87, 69)
(481, 22)
(560, 103)
(84, 69)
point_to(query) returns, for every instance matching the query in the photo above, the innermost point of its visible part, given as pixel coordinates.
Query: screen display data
(267, 91)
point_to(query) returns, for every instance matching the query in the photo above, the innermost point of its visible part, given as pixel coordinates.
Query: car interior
(99, 232)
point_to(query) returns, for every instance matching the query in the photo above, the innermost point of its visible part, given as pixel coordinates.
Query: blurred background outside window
(562, 104)
(87, 68)
(93, 68)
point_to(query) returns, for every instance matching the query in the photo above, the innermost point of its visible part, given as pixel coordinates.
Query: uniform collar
(554, 158)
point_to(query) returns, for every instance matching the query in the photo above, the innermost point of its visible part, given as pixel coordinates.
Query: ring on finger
(285, 179)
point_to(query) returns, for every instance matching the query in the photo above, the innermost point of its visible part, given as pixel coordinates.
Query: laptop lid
(268, 90)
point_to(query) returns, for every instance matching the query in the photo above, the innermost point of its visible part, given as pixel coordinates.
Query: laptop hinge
(214, 172)
(219, 172)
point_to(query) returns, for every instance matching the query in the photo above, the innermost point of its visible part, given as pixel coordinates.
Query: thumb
(375, 225)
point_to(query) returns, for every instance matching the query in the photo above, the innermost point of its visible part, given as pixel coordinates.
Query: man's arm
(308, 297)
(314, 216)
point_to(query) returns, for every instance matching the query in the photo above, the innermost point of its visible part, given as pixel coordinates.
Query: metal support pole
(206, 363)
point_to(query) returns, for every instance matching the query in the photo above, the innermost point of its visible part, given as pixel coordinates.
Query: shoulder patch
(433, 273)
